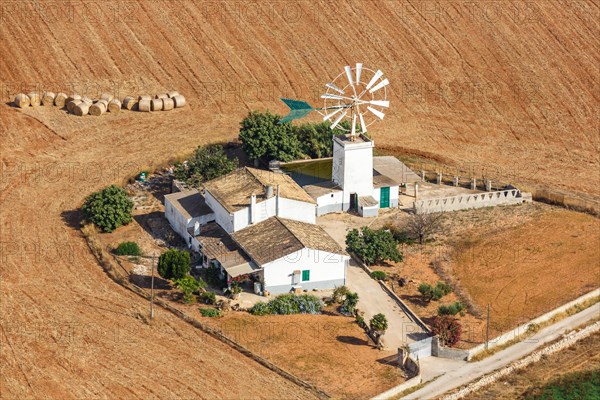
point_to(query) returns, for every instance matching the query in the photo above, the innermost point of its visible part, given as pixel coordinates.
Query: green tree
(378, 325)
(189, 286)
(207, 162)
(109, 208)
(174, 264)
(373, 246)
(264, 138)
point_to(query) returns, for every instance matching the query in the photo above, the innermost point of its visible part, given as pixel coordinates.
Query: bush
(434, 293)
(378, 323)
(339, 294)
(189, 285)
(373, 246)
(209, 298)
(174, 264)
(379, 275)
(447, 328)
(207, 163)
(109, 208)
(210, 312)
(128, 249)
(349, 303)
(452, 309)
(213, 277)
(286, 304)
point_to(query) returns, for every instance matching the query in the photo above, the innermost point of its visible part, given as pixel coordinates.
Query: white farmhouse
(293, 255)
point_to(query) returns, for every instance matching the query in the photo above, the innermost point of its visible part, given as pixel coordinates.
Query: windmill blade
(349, 75)
(380, 85)
(380, 103)
(377, 75)
(338, 120)
(328, 116)
(363, 126)
(333, 87)
(358, 71)
(353, 130)
(377, 113)
(332, 96)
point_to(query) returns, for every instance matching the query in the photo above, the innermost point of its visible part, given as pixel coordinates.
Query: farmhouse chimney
(488, 185)
(277, 202)
(474, 184)
(252, 210)
(269, 191)
(196, 228)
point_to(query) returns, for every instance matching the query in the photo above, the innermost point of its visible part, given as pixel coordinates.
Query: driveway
(372, 298)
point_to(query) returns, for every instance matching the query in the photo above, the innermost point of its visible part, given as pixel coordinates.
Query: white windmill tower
(357, 95)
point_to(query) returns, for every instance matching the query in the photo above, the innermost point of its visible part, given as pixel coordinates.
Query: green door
(384, 197)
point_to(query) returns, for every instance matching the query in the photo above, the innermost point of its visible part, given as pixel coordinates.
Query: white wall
(297, 210)
(263, 210)
(323, 266)
(353, 166)
(330, 202)
(222, 216)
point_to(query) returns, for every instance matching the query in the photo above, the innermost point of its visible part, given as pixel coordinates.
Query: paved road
(458, 373)
(372, 298)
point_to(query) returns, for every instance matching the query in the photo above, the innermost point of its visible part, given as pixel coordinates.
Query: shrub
(210, 312)
(209, 298)
(265, 138)
(452, 309)
(189, 285)
(206, 163)
(349, 303)
(379, 275)
(434, 293)
(447, 328)
(128, 249)
(174, 264)
(213, 277)
(286, 304)
(109, 208)
(378, 323)
(373, 246)
(339, 294)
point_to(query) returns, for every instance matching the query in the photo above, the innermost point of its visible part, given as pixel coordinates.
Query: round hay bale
(129, 102)
(22, 100)
(81, 109)
(144, 97)
(144, 105)
(34, 99)
(97, 109)
(60, 100)
(73, 97)
(114, 106)
(87, 100)
(179, 101)
(156, 104)
(107, 96)
(172, 94)
(162, 96)
(48, 99)
(72, 104)
(168, 104)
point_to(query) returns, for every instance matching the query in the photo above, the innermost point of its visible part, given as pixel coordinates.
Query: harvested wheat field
(531, 83)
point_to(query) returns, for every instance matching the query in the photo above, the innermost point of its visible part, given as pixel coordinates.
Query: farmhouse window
(305, 275)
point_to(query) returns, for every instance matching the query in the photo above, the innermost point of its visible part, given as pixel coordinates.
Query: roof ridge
(248, 170)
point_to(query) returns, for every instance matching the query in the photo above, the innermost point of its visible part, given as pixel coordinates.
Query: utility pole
(152, 291)
(487, 328)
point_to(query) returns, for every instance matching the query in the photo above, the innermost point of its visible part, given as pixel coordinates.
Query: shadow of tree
(73, 218)
(352, 340)
(145, 282)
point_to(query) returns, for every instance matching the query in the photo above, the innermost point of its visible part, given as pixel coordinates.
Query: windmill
(348, 97)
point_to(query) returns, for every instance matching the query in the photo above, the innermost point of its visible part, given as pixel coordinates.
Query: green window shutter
(306, 275)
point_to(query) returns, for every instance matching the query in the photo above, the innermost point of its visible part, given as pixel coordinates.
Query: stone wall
(469, 201)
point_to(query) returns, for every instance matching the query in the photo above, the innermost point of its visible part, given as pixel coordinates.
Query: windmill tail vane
(352, 96)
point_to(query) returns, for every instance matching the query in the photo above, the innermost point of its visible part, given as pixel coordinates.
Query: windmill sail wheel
(358, 95)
